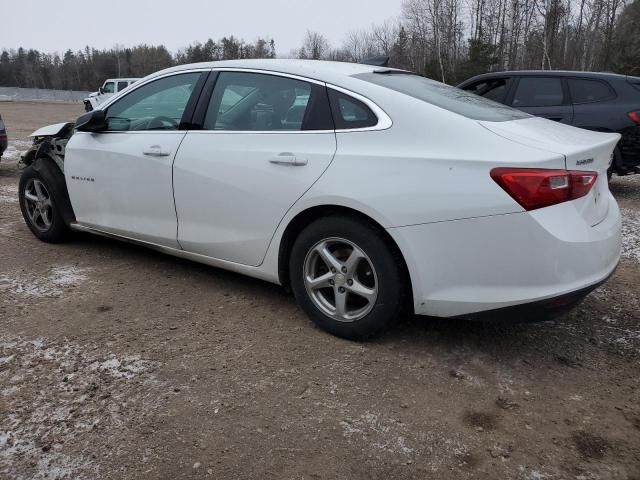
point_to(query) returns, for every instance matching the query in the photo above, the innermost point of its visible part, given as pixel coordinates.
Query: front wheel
(41, 201)
(346, 277)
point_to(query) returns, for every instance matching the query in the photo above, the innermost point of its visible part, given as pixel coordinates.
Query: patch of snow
(63, 392)
(631, 234)
(14, 150)
(9, 194)
(383, 434)
(532, 474)
(53, 284)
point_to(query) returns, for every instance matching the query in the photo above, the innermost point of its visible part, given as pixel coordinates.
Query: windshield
(444, 96)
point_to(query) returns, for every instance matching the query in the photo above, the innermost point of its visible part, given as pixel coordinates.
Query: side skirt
(254, 272)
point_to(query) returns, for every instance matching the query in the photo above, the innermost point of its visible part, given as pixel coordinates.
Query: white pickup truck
(110, 87)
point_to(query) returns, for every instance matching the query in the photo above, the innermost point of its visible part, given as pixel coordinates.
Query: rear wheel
(40, 203)
(346, 277)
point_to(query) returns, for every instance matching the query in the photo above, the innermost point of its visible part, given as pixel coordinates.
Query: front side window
(587, 91)
(258, 102)
(109, 87)
(494, 88)
(444, 96)
(158, 105)
(538, 92)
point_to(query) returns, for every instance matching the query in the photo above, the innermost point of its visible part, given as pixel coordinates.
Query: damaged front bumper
(49, 142)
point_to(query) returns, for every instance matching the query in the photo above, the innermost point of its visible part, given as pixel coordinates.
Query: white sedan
(364, 189)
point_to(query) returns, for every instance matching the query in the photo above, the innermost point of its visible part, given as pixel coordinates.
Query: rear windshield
(444, 96)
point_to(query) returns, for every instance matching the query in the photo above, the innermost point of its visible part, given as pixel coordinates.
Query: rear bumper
(540, 311)
(469, 266)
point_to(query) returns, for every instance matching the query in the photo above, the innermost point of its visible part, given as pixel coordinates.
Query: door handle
(288, 158)
(155, 151)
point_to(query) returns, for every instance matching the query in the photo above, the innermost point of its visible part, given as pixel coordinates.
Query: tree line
(87, 69)
(449, 40)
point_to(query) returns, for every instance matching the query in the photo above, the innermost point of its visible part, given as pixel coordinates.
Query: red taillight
(537, 188)
(635, 117)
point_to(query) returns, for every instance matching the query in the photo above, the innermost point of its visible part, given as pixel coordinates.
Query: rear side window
(349, 112)
(494, 88)
(444, 96)
(122, 86)
(262, 102)
(587, 91)
(538, 92)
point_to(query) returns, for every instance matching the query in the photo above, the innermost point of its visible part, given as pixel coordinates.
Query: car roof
(121, 79)
(322, 70)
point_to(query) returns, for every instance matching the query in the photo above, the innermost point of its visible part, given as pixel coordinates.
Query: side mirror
(101, 90)
(93, 121)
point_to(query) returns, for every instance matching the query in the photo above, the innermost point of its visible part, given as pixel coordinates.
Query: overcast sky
(49, 25)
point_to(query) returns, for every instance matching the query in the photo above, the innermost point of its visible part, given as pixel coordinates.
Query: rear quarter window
(444, 96)
(493, 88)
(349, 112)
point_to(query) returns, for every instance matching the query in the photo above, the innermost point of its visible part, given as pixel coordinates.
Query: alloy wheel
(38, 205)
(340, 279)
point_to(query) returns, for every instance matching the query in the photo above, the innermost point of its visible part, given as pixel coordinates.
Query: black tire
(51, 177)
(388, 268)
(616, 164)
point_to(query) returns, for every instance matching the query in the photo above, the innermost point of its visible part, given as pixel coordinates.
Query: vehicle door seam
(335, 151)
(173, 190)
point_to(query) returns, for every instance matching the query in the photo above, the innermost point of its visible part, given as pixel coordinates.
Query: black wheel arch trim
(51, 172)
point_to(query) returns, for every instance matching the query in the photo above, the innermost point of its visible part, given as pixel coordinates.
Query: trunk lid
(582, 149)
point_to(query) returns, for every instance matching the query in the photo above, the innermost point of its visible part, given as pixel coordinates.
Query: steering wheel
(160, 122)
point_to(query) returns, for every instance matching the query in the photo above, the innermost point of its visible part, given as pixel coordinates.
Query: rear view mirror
(93, 121)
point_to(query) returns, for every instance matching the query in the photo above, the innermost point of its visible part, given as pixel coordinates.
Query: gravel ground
(117, 362)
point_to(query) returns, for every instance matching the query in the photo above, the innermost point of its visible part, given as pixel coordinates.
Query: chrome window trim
(135, 86)
(384, 121)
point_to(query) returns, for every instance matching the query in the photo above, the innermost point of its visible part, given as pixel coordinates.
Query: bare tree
(314, 47)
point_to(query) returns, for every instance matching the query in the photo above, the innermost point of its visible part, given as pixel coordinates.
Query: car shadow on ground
(504, 338)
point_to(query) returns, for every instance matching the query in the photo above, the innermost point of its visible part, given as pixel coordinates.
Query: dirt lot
(117, 362)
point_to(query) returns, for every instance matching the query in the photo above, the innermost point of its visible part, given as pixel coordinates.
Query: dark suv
(3, 138)
(596, 101)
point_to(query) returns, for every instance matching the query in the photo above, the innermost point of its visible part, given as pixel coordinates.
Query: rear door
(590, 107)
(265, 139)
(543, 96)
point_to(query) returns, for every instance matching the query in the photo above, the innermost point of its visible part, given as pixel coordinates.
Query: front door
(265, 141)
(120, 180)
